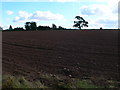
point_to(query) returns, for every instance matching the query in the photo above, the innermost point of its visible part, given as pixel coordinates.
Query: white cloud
(22, 16)
(101, 15)
(98, 9)
(9, 12)
(37, 16)
(5, 27)
(40, 15)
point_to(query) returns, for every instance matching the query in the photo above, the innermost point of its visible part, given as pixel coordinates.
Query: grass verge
(47, 81)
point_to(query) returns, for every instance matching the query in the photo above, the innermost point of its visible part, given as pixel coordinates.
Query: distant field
(78, 54)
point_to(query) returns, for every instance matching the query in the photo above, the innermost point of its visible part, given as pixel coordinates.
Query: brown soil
(80, 54)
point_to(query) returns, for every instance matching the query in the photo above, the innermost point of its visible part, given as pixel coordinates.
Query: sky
(98, 13)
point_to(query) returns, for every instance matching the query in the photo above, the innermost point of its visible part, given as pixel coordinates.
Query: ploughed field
(79, 54)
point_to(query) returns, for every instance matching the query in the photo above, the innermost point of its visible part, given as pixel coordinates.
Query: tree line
(79, 23)
(33, 26)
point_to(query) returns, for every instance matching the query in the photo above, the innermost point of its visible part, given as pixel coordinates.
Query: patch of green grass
(13, 82)
(66, 82)
(85, 84)
(46, 81)
(19, 82)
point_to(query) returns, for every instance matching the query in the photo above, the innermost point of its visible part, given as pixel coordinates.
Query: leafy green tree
(54, 26)
(43, 28)
(30, 26)
(60, 28)
(33, 26)
(100, 28)
(27, 26)
(80, 22)
(19, 29)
